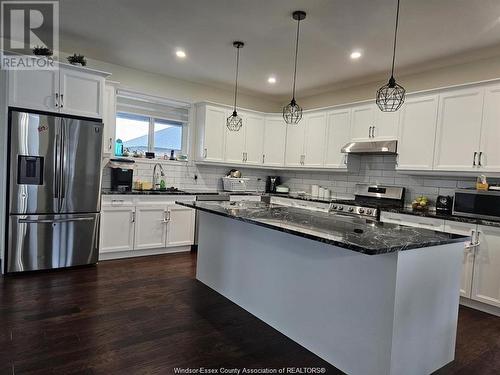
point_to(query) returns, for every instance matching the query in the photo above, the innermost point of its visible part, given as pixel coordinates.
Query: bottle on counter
(119, 147)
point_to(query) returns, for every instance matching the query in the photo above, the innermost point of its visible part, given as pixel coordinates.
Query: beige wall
(446, 76)
(172, 88)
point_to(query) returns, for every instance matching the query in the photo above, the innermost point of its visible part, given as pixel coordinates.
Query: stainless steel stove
(369, 200)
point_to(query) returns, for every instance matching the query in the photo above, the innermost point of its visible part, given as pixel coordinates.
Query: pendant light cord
(395, 41)
(296, 54)
(237, 68)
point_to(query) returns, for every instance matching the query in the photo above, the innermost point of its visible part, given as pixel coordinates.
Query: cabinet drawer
(117, 200)
(413, 221)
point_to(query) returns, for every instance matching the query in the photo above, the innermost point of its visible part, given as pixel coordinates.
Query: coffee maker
(271, 183)
(122, 171)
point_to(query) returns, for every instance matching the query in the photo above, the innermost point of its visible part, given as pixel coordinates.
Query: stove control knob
(341, 208)
(361, 210)
(369, 212)
(351, 209)
(334, 206)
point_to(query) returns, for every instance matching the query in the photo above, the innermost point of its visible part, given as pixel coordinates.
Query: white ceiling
(144, 35)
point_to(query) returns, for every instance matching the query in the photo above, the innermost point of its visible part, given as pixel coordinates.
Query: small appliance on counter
(444, 204)
(122, 173)
(477, 204)
(282, 189)
(272, 183)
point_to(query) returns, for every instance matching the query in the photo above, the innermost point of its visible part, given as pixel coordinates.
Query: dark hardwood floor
(149, 315)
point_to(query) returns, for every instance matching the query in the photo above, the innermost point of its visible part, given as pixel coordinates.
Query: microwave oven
(477, 204)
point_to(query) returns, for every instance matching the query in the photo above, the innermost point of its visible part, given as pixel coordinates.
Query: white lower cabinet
(180, 227)
(117, 228)
(150, 227)
(145, 225)
(481, 262)
(464, 229)
(486, 279)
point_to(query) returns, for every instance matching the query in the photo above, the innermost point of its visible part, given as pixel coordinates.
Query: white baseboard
(141, 253)
(493, 310)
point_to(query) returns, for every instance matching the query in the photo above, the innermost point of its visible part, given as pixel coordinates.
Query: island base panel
(386, 314)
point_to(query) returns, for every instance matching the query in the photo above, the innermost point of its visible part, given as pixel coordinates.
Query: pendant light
(234, 122)
(292, 112)
(391, 96)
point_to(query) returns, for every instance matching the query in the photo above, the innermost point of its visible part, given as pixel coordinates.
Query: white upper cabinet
(295, 133)
(211, 132)
(34, 89)
(386, 125)
(274, 141)
(489, 150)
(459, 130)
(363, 121)
(486, 279)
(337, 135)
(235, 142)
(315, 139)
(246, 145)
(69, 89)
(254, 138)
(369, 123)
(80, 93)
(417, 133)
(109, 119)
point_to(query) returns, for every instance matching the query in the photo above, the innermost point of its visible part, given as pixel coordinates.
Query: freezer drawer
(38, 242)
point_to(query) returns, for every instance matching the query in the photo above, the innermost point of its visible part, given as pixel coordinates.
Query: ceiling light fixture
(234, 122)
(292, 112)
(271, 80)
(180, 53)
(391, 96)
(355, 55)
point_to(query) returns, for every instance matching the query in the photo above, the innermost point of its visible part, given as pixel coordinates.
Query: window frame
(151, 130)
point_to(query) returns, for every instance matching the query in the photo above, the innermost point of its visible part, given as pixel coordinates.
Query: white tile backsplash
(373, 169)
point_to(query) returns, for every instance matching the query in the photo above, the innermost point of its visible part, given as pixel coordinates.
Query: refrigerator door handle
(44, 221)
(56, 168)
(63, 161)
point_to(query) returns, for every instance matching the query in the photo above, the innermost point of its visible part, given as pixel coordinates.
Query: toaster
(444, 204)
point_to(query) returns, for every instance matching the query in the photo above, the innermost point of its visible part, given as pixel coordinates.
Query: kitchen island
(368, 297)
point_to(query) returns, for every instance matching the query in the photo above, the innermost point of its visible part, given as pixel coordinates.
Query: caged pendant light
(391, 96)
(234, 122)
(292, 112)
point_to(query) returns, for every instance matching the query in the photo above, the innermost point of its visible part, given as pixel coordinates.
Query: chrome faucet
(156, 184)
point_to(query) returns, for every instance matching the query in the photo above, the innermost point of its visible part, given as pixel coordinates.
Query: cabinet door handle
(133, 216)
(166, 216)
(373, 131)
(263, 158)
(474, 159)
(57, 100)
(370, 132)
(62, 100)
(110, 144)
(345, 159)
(205, 153)
(480, 159)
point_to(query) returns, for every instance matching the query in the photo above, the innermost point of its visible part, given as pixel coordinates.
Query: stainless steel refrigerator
(53, 200)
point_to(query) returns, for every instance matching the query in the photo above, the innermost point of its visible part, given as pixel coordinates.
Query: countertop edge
(343, 245)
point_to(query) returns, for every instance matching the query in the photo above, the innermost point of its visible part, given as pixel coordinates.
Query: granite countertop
(356, 234)
(437, 215)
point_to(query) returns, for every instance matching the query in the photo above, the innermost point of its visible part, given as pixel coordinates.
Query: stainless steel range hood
(371, 147)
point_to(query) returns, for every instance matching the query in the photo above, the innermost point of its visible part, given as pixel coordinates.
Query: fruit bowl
(420, 204)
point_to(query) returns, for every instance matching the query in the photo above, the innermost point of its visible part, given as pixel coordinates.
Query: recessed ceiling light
(180, 53)
(355, 55)
(271, 80)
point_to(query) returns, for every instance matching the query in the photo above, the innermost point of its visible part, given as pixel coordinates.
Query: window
(149, 123)
(142, 133)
